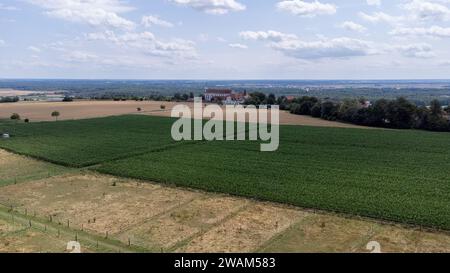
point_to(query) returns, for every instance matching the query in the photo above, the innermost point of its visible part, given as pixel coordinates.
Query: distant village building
(226, 96)
(5, 135)
(215, 94)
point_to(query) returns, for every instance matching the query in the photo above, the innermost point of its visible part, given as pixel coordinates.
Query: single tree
(15, 117)
(55, 114)
(139, 109)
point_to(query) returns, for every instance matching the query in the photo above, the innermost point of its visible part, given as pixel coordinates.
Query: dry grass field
(40, 111)
(17, 169)
(158, 218)
(8, 92)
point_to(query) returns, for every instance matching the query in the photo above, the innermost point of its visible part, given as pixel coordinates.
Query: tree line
(397, 113)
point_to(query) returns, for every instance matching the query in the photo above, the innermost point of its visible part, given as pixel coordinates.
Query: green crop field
(387, 174)
(87, 142)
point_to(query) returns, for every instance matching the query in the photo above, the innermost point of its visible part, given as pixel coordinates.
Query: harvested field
(246, 231)
(98, 204)
(40, 111)
(31, 241)
(8, 92)
(182, 223)
(327, 233)
(8, 227)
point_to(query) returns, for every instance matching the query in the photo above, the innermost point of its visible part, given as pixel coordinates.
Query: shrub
(15, 116)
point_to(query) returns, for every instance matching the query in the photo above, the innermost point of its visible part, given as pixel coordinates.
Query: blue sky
(225, 39)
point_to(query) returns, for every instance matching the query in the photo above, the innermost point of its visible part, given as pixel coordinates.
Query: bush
(67, 99)
(26, 120)
(15, 116)
(9, 99)
(163, 107)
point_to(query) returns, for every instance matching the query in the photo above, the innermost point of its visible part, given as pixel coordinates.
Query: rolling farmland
(385, 174)
(91, 141)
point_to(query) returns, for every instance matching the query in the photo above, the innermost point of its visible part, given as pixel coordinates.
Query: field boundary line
(182, 243)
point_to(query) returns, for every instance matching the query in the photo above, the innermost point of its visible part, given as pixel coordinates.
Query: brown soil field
(160, 218)
(40, 111)
(7, 92)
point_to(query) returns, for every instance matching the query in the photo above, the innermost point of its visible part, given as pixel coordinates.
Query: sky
(225, 39)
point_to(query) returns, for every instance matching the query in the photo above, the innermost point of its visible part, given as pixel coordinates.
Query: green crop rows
(402, 176)
(91, 141)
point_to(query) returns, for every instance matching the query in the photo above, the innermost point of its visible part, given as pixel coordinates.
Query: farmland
(385, 174)
(87, 142)
(41, 214)
(40, 111)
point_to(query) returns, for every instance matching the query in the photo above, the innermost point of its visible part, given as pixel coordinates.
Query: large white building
(217, 94)
(227, 96)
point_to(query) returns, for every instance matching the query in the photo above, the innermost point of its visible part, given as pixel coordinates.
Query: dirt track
(40, 111)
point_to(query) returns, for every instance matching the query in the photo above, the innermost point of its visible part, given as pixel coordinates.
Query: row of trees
(16, 117)
(399, 113)
(9, 99)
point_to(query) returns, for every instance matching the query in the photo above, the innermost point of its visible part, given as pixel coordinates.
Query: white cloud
(212, 6)
(341, 47)
(428, 10)
(433, 31)
(374, 2)
(270, 35)
(352, 26)
(240, 46)
(421, 50)
(2, 43)
(80, 56)
(291, 45)
(380, 17)
(153, 20)
(34, 49)
(5, 7)
(93, 12)
(306, 9)
(147, 43)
